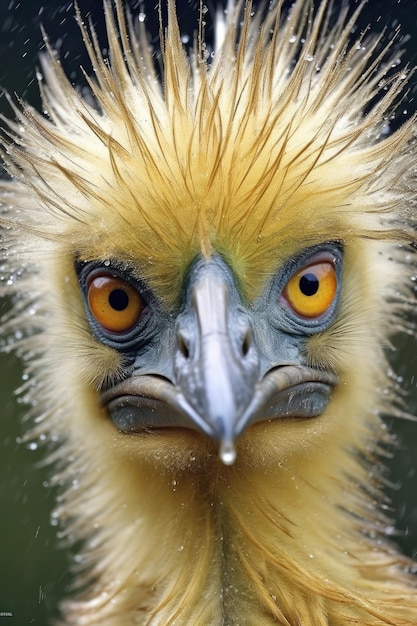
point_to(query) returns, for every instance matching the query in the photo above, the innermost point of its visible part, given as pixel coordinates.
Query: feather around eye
(311, 291)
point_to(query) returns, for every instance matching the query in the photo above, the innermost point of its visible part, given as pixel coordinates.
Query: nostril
(182, 346)
(247, 341)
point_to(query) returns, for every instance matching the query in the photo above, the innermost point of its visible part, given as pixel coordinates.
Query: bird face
(224, 363)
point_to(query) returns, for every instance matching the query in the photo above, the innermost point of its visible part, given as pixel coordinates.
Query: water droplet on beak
(227, 452)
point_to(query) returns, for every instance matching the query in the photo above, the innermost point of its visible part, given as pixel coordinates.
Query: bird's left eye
(312, 290)
(114, 303)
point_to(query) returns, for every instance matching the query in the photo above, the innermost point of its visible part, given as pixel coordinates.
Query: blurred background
(33, 570)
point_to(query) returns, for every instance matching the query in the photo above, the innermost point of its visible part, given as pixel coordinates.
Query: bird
(208, 249)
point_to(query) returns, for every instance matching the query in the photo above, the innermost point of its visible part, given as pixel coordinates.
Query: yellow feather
(228, 157)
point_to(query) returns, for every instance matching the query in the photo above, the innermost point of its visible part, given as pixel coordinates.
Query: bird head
(216, 260)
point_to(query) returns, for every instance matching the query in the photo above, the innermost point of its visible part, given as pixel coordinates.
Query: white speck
(227, 452)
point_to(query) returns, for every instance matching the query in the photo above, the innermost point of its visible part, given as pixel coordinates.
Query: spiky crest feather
(230, 151)
(255, 153)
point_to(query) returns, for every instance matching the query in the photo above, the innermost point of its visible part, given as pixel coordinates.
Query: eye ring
(311, 291)
(114, 303)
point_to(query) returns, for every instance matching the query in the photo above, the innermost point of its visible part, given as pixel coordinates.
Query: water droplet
(227, 452)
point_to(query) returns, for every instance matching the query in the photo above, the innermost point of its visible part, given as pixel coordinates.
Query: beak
(217, 366)
(218, 385)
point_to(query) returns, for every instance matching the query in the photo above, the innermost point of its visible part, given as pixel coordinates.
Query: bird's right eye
(114, 303)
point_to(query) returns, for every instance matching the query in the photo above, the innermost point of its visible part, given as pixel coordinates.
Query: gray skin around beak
(230, 368)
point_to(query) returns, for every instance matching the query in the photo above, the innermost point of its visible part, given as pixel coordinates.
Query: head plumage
(235, 150)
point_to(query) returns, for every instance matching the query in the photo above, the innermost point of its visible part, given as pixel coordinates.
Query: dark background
(33, 571)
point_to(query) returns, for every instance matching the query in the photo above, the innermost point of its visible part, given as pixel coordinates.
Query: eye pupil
(118, 299)
(309, 284)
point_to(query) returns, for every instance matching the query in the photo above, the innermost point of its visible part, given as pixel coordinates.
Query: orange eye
(115, 304)
(312, 290)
